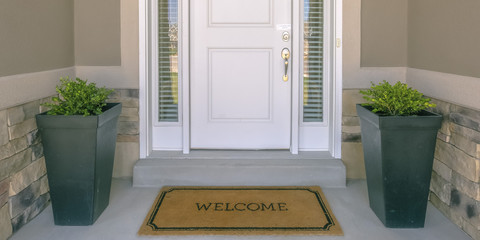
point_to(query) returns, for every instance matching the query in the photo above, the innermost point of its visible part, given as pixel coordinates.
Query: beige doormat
(240, 211)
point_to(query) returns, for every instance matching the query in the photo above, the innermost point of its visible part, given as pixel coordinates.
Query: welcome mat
(240, 211)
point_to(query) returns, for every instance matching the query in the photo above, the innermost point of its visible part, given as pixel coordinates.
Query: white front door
(239, 99)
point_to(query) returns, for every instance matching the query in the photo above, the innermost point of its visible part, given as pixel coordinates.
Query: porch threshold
(239, 168)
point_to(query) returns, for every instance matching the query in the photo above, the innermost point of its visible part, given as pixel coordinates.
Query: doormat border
(316, 190)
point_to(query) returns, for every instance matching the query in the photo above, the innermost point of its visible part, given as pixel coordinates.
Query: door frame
(256, 112)
(145, 66)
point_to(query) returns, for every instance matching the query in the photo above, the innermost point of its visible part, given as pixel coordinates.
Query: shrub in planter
(395, 100)
(398, 137)
(79, 135)
(77, 97)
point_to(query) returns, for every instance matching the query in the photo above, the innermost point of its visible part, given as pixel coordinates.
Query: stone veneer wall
(24, 191)
(455, 185)
(128, 141)
(23, 180)
(352, 151)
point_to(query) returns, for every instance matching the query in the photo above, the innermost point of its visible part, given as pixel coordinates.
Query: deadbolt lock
(285, 36)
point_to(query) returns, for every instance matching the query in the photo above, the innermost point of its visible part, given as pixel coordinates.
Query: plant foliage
(395, 100)
(77, 97)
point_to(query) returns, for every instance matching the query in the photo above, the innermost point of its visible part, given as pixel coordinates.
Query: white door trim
(145, 64)
(336, 144)
(247, 106)
(184, 49)
(295, 101)
(143, 77)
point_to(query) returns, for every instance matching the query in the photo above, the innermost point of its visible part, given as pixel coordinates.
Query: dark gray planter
(399, 153)
(79, 153)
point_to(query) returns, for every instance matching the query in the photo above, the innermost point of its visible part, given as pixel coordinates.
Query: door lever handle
(285, 56)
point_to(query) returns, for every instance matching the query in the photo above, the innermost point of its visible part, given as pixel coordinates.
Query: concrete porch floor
(129, 206)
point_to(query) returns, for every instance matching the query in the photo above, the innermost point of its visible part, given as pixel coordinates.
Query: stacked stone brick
(455, 187)
(23, 180)
(352, 149)
(128, 147)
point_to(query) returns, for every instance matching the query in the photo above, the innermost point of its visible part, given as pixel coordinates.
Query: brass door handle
(285, 56)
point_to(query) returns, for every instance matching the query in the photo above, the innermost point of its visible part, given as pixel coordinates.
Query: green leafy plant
(395, 100)
(77, 97)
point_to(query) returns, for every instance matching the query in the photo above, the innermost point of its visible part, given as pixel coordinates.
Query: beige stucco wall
(36, 48)
(434, 35)
(95, 40)
(356, 76)
(41, 41)
(97, 33)
(35, 36)
(384, 33)
(441, 49)
(444, 36)
(119, 65)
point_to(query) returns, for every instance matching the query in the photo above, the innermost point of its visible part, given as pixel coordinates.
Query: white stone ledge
(22, 88)
(461, 90)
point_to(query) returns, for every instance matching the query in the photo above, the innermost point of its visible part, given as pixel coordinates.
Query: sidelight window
(168, 99)
(313, 64)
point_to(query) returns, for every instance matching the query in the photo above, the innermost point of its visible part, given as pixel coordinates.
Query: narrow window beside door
(168, 60)
(313, 61)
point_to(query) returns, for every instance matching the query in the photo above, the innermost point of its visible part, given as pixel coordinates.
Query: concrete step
(239, 168)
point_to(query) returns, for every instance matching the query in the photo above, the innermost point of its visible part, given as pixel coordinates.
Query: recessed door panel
(240, 11)
(243, 93)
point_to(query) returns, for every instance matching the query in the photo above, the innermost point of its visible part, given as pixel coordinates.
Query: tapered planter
(79, 153)
(399, 153)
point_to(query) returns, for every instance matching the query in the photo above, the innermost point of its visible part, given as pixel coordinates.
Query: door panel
(238, 97)
(240, 12)
(238, 93)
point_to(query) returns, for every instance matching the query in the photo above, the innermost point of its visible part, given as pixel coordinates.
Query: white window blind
(168, 60)
(313, 61)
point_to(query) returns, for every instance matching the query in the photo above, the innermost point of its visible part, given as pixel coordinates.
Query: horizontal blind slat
(313, 61)
(167, 61)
